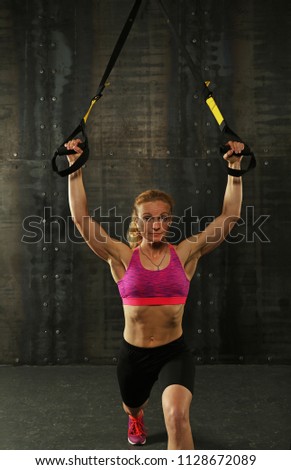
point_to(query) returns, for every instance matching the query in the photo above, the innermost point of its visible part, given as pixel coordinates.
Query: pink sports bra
(141, 286)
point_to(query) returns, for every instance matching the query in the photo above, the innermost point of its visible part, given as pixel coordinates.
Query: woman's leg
(135, 412)
(176, 400)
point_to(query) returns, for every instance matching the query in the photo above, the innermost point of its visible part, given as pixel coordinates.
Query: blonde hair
(134, 237)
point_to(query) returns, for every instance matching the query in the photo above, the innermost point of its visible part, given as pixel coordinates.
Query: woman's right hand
(73, 145)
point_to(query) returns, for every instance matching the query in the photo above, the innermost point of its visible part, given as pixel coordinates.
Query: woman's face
(154, 219)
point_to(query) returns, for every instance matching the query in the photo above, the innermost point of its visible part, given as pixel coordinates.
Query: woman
(153, 279)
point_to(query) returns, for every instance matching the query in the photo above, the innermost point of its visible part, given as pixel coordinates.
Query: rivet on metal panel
(197, 191)
(208, 153)
(208, 191)
(44, 248)
(56, 248)
(42, 98)
(111, 153)
(44, 276)
(266, 150)
(196, 164)
(208, 163)
(55, 126)
(56, 193)
(198, 275)
(210, 275)
(58, 332)
(17, 360)
(53, 71)
(266, 163)
(41, 71)
(208, 124)
(45, 304)
(199, 359)
(212, 330)
(42, 126)
(57, 276)
(195, 96)
(199, 331)
(86, 359)
(241, 358)
(194, 40)
(54, 98)
(199, 302)
(211, 302)
(114, 359)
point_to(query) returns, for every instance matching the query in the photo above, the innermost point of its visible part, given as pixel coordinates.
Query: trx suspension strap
(226, 133)
(82, 126)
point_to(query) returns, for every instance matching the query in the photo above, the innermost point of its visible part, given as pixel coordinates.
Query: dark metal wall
(58, 302)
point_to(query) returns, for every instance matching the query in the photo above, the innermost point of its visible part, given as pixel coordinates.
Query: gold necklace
(156, 265)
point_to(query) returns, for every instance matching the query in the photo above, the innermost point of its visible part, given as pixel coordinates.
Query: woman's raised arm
(95, 236)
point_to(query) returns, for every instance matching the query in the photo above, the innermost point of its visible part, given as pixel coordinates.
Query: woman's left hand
(235, 147)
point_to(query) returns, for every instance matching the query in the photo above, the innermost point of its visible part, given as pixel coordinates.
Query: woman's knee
(176, 410)
(176, 417)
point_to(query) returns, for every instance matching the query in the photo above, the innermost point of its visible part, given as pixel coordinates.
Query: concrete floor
(78, 407)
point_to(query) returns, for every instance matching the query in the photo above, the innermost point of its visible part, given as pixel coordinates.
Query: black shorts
(139, 368)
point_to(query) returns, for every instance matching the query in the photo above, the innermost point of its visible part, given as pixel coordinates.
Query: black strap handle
(62, 150)
(227, 133)
(226, 136)
(81, 128)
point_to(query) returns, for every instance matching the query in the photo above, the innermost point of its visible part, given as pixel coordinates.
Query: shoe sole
(137, 443)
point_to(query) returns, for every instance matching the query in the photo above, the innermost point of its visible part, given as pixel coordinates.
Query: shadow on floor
(78, 407)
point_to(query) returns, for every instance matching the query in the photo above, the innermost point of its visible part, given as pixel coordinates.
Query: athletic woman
(153, 278)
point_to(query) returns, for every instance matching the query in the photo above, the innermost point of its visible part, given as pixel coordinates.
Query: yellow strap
(215, 110)
(213, 107)
(94, 100)
(89, 110)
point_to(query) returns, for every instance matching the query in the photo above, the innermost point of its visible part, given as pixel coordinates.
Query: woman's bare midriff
(152, 326)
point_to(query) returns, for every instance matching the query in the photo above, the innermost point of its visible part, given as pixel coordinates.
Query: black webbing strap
(226, 133)
(80, 129)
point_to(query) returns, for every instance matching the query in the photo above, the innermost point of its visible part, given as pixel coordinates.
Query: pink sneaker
(136, 430)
